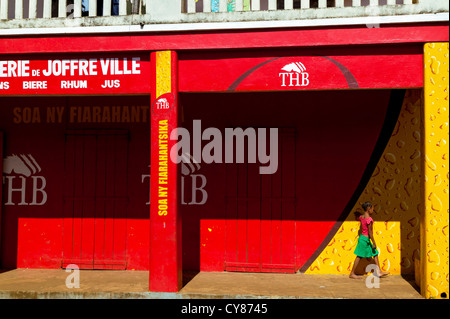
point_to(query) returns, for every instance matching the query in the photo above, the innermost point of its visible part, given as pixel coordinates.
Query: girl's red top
(365, 225)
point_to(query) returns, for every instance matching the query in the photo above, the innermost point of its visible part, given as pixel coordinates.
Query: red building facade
(86, 124)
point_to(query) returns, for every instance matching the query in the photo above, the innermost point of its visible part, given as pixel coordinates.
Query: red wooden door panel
(231, 216)
(95, 200)
(253, 216)
(260, 214)
(288, 204)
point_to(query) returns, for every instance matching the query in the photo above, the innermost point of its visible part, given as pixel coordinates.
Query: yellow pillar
(434, 220)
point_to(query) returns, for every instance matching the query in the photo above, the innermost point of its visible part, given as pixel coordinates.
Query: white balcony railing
(64, 13)
(257, 5)
(32, 9)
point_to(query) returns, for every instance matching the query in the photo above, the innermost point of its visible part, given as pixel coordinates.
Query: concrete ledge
(86, 295)
(137, 295)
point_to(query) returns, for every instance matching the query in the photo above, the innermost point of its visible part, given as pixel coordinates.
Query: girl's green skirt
(364, 248)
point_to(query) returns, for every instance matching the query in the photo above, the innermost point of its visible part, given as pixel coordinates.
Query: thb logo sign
(163, 104)
(21, 178)
(192, 183)
(294, 75)
(197, 182)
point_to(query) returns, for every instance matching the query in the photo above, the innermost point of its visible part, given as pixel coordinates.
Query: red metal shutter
(260, 214)
(95, 200)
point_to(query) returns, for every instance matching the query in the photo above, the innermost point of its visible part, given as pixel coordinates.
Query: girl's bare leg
(380, 273)
(355, 264)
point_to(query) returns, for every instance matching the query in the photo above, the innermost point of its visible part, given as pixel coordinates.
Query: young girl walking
(365, 248)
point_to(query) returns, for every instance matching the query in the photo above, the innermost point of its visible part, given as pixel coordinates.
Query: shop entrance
(260, 214)
(95, 199)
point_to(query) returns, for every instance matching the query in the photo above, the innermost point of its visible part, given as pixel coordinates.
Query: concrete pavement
(101, 284)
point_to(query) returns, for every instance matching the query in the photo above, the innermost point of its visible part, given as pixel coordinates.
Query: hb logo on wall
(197, 182)
(20, 176)
(188, 167)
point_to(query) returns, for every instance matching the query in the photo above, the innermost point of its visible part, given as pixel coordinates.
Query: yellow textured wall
(163, 72)
(409, 189)
(434, 222)
(395, 190)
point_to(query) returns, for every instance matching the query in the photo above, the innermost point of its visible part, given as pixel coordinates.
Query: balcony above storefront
(56, 16)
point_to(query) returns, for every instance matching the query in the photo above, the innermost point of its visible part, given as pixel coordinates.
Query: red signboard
(321, 71)
(130, 73)
(93, 74)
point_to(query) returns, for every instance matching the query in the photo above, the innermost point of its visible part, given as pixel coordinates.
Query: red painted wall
(335, 136)
(335, 132)
(34, 235)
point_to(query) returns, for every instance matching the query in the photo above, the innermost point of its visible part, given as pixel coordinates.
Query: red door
(260, 214)
(95, 199)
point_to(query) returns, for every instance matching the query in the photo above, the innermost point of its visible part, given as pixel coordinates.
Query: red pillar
(165, 221)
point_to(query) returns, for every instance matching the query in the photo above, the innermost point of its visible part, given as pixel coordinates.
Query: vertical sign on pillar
(434, 239)
(165, 221)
